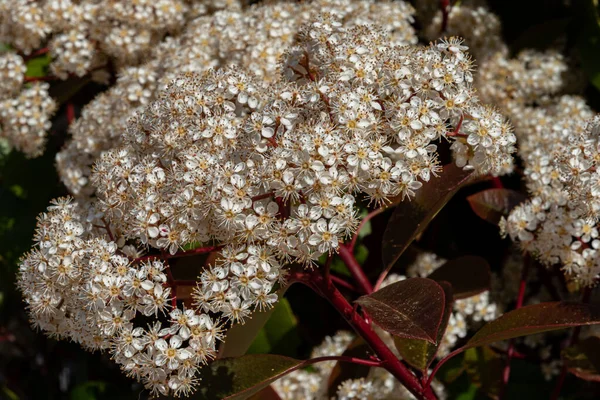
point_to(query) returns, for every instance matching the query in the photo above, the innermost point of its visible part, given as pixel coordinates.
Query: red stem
(445, 6)
(573, 340)
(511, 345)
(388, 360)
(355, 269)
(354, 360)
(166, 256)
(342, 283)
(36, 53)
(40, 78)
(70, 113)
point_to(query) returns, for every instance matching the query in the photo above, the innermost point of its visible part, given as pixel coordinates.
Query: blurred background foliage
(35, 367)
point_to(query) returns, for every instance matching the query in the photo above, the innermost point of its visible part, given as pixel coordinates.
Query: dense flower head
(212, 41)
(87, 38)
(79, 285)
(263, 164)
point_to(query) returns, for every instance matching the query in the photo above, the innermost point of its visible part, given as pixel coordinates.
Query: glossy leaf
(242, 377)
(492, 204)
(411, 217)
(583, 359)
(420, 353)
(343, 371)
(38, 67)
(279, 335)
(484, 368)
(534, 319)
(241, 336)
(412, 308)
(468, 275)
(267, 393)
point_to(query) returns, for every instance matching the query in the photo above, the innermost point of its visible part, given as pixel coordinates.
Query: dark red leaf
(242, 377)
(411, 217)
(412, 308)
(534, 319)
(583, 359)
(420, 353)
(468, 275)
(492, 204)
(343, 371)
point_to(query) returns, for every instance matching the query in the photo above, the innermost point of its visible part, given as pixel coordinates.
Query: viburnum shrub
(251, 146)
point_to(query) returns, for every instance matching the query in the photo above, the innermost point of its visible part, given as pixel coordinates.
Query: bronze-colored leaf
(534, 319)
(583, 359)
(242, 377)
(410, 218)
(420, 353)
(492, 204)
(412, 308)
(468, 275)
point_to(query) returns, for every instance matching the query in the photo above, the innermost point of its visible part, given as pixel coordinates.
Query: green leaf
(484, 368)
(420, 353)
(493, 204)
(537, 318)
(10, 395)
(88, 390)
(279, 335)
(240, 378)
(366, 229)
(410, 218)
(38, 67)
(361, 253)
(412, 308)
(583, 359)
(343, 371)
(468, 275)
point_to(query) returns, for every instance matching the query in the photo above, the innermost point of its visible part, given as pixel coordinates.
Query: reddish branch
(353, 360)
(445, 7)
(36, 53)
(342, 283)
(389, 361)
(355, 269)
(70, 113)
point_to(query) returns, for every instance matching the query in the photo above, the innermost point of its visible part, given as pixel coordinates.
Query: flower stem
(355, 269)
(389, 361)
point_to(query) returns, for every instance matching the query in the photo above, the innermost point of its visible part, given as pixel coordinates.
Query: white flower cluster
(25, 118)
(481, 28)
(265, 170)
(557, 140)
(82, 37)
(25, 109)
(467, 312)
(211, 42)
(313, 385)
(79, 285)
